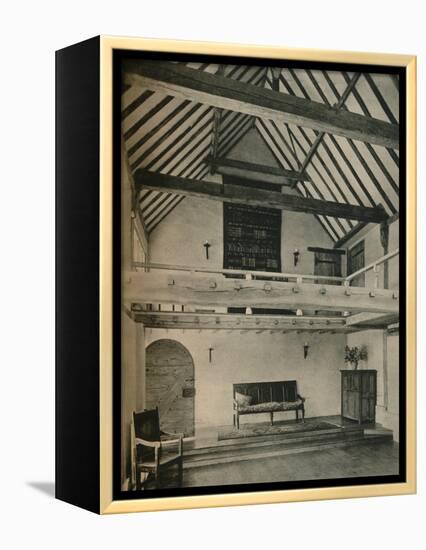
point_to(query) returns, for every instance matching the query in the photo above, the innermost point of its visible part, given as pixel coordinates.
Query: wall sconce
(210, 354)
(207, 245)
(305, 349)
(296, 255)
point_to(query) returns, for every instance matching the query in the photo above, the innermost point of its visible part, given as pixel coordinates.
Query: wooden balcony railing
(289, 277)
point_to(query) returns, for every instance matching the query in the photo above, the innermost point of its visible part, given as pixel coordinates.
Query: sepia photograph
(259, 277)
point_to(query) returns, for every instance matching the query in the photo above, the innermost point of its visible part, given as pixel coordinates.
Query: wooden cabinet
(359, 389)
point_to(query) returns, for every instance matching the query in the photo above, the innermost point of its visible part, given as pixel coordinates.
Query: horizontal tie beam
(230, 94)
(217, 291)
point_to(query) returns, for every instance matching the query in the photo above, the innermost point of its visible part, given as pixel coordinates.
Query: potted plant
(355, 354)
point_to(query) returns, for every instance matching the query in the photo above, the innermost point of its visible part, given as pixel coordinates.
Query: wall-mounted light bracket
(296, 255)
(305, 350)
(207, 245)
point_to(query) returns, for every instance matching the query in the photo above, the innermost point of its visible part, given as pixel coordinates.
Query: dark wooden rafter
(360, 157)
(192, 147)
(148, 115)
(319, 141)
(354, 148)
(230, 132)
(338, 106)
(233, 126)
(275, 84)
(200, 125)
(352, 170)
(160, 204)
(335, 143)
(328, 228)
(163, 205)
(187, 154)
(387, 111)
(289, 147)
(315, 187)
(374, 88)
(152, 203)
(293, 148)
(322, 163)
(324, 166)
(216, 125)
(226, 93)
(164, 135)
(163, 214)
(240, 194)
(287, 158)
(354, 231)
(135, 104)
(371, 149)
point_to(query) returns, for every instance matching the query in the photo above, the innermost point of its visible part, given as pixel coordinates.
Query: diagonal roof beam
(226, 93)
(359, 156)
(380, 98)
(321, 135)
(368, 145)
(324, 221)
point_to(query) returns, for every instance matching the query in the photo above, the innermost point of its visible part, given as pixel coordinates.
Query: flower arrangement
(355, 354)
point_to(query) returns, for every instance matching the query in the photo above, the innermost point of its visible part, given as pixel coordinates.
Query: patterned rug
(254, 430)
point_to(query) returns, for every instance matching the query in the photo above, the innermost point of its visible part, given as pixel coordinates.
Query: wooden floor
(356, 451)
(373, 459)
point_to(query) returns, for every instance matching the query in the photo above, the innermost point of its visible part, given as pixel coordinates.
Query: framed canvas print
(235, 274)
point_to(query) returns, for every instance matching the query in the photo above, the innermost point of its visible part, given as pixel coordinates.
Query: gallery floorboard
(354, 461)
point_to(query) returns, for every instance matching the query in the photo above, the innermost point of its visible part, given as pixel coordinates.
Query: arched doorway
(170, 385)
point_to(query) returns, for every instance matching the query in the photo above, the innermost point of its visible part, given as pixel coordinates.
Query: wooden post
(384, 239)
(385, 370)
(376, 270)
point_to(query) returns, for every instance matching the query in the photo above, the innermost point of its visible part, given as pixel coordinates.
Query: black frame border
(119, 55)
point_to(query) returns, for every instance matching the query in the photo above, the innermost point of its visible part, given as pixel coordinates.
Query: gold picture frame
(107, 46)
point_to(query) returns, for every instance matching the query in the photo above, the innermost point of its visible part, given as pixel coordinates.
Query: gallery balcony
(201, 298)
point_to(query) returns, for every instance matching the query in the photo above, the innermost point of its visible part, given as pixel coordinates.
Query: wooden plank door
(327, 263)
(170, 385)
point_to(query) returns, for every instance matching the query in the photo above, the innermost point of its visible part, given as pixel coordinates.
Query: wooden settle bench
(267, 397)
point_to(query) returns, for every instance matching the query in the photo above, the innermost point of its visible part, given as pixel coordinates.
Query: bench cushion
(271, 406)
(243, 400)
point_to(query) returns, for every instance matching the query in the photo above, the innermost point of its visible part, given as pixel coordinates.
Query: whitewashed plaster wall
(250, 357)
